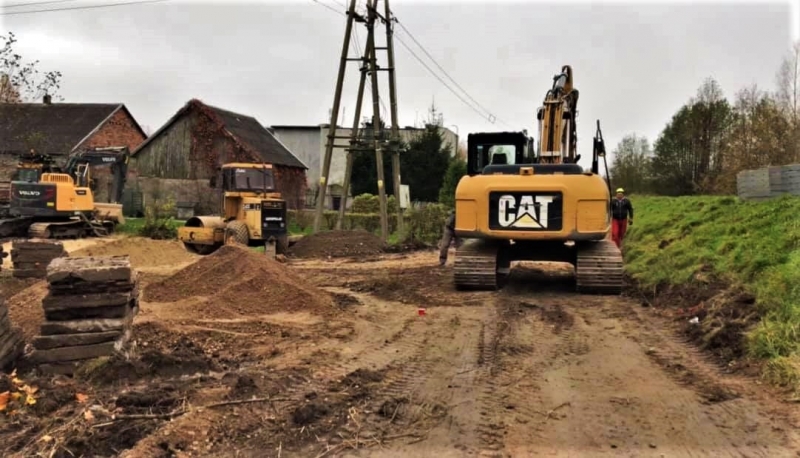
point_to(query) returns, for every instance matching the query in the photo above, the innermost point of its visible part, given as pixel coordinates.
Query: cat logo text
(523, 212)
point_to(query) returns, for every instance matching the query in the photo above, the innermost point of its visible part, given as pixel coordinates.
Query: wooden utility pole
(337, 98)
(370, 66)
(394, 141)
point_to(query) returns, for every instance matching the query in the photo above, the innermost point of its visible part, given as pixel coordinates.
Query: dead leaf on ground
(4, 397)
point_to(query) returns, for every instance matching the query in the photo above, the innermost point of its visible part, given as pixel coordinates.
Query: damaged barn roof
(52, 128)
(246, 129)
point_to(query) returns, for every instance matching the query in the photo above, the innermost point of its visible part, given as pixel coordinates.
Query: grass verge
(693, 242)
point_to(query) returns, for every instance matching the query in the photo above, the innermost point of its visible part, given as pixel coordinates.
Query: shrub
(425, 224)
(369, 203)
(158, 221)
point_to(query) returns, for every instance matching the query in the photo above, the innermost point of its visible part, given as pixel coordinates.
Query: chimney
(47, 99)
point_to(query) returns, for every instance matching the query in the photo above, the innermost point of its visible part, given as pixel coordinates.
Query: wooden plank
(72, 340)
(75, 353)
(86, 301)
(87, 325)
(89, 269)
(29, 273)
(120, 311)
(11, 347)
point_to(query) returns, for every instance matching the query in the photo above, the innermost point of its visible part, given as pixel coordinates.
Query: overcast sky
(634, 64)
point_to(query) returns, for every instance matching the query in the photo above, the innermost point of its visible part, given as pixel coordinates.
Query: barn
(176, 163)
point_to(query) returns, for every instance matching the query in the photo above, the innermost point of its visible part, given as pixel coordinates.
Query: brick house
(59, 129)
(178, 160)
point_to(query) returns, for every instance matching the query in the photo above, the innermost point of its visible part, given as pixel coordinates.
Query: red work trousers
(618, 229)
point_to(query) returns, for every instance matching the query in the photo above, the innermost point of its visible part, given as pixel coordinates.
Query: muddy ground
(356, 370)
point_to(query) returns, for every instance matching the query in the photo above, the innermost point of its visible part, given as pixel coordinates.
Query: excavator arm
(116, 158)
(598, 152)
(557, 128)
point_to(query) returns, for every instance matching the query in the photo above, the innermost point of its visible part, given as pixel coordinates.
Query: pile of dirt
(144, 252)
(25, 309)
(724, 314)
(165, 355)
(338, 244)
(236, 281)
(418, 285)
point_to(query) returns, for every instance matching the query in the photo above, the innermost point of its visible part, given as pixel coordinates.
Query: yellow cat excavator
(517, 204)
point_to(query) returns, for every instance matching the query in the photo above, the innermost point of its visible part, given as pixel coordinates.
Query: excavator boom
(557, 132)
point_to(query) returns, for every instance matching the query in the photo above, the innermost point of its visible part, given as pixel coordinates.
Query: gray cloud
(634, 64)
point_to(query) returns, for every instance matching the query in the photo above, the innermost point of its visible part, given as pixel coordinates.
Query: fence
(768, 182)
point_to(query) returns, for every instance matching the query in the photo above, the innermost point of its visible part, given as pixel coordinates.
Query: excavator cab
(497, 149)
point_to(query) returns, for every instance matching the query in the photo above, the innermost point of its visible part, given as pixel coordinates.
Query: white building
(308, 144)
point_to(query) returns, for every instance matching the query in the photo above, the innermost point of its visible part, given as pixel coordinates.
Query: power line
(440, 79)
(410, 35)
(491, 118)
(85, 7)
(329, 7)
(48, 2)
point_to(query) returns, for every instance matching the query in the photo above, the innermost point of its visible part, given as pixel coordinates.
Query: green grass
(133, 226)
(755, 245)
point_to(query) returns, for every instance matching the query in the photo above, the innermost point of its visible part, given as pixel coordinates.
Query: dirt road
(533, 370)
(537, 370)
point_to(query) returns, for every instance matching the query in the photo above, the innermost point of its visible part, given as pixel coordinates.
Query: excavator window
(29, 175)
(502, 154)
(496, 148)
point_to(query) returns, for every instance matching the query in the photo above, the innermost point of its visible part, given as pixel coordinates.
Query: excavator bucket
(109, 212)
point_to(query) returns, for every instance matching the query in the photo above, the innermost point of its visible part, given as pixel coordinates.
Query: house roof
(55, 129)
(246, 129)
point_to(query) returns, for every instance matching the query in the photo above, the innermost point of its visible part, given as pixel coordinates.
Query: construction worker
(448, 236)
(621, 216)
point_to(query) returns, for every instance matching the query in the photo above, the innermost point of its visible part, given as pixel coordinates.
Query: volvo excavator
(54, 202)
(517, 204)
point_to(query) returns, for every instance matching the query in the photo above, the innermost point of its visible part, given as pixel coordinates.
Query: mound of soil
(144, 252)
(725, 314)
(25, 309)
(337, 244)
(237, 281)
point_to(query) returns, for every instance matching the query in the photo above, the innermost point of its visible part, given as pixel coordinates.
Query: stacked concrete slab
(31, 257)
(88, 311)
(11, 343)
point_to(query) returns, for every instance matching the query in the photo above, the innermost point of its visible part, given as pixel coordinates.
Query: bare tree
(631, 165)
(788, 97)
(22, 82)
(789, 83)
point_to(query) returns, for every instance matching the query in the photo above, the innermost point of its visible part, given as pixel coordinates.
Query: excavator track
(476, 266)
(65, 230)
(598, 269)
(69, 229)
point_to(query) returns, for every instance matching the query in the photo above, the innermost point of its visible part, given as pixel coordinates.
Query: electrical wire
(329, 7)
(491, 117)
(48, 2)
(441, 80)
(410, 35)
(84, 7)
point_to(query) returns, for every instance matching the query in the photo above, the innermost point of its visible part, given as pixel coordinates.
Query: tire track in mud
(682, 402)
(515, 350)
(728, 402)
(531, 340)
